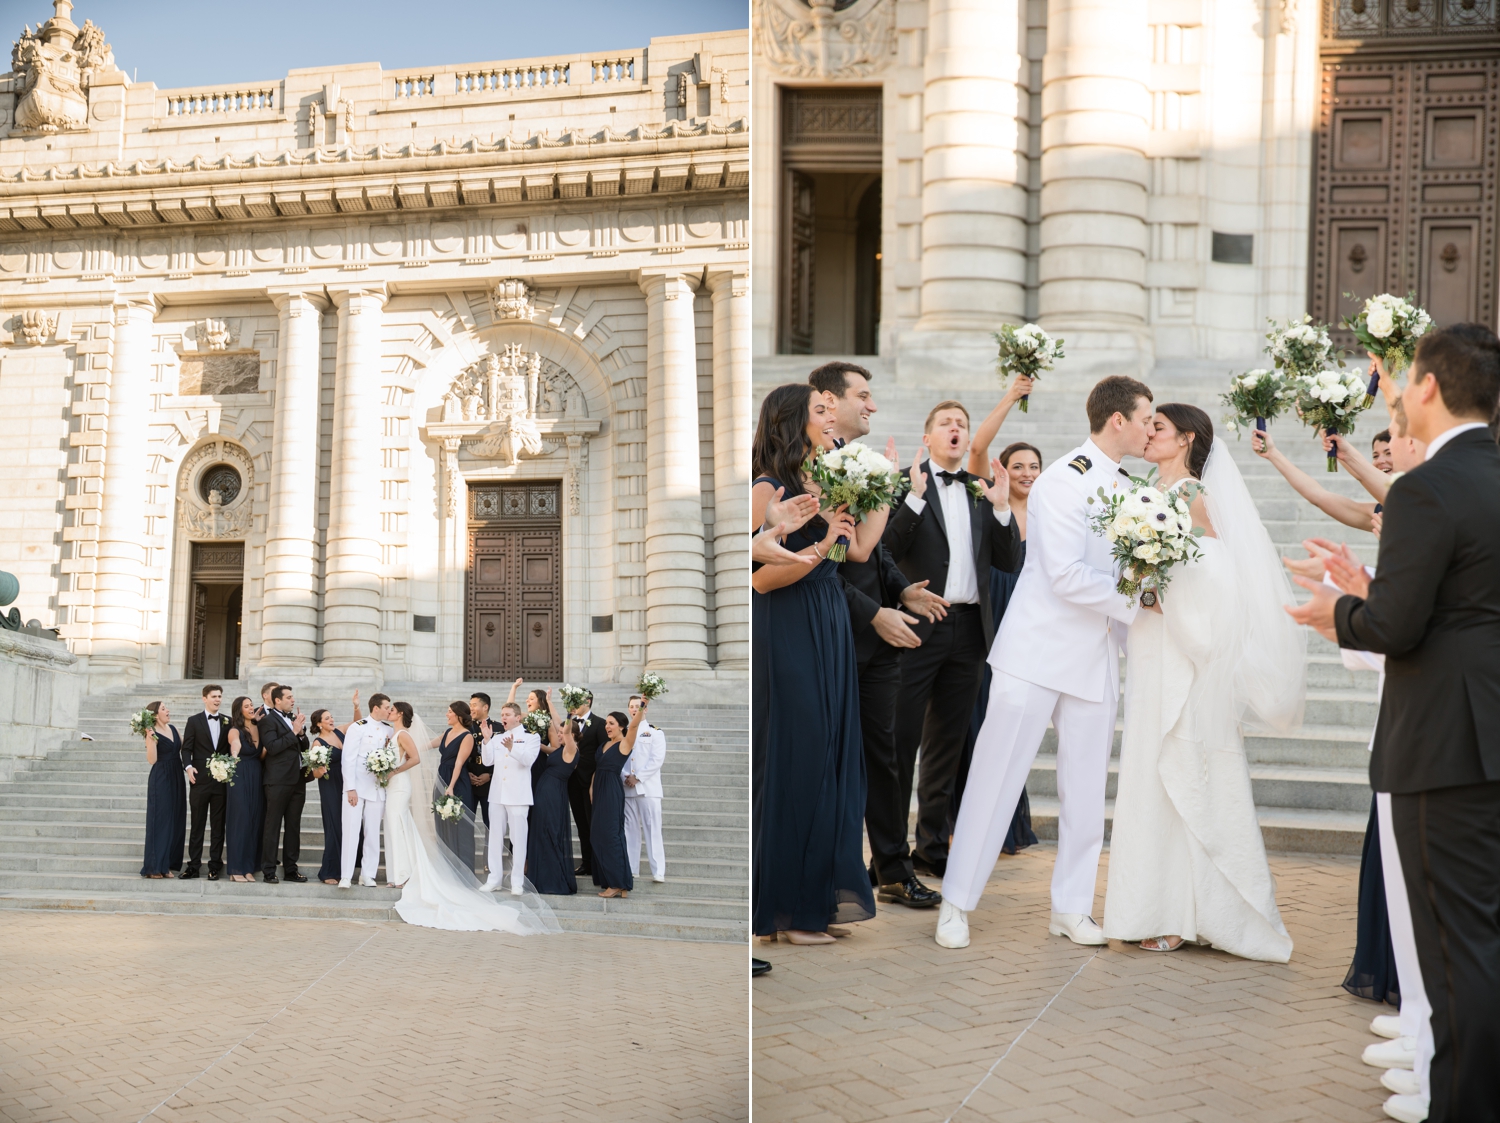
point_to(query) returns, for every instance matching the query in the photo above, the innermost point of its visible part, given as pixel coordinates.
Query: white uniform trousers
(643, 815)
(513, 818)
(1416, 1013)
(370, 812)
(1014, 725)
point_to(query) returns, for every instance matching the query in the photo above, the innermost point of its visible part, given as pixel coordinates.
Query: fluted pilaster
(731, 303)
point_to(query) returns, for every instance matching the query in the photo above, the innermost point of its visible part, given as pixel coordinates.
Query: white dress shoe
(345, 885)
(1402, 1081)
(1078, 927)
(1400, 1053)
(1407, 1109)
(489, 887)
(658, 880)
(1386, 1025)
(952, 927)
(367, 884)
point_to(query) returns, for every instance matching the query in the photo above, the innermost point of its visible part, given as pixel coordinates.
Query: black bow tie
(959, 477)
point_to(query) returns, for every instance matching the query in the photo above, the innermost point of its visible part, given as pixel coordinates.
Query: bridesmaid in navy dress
(454, 748)
(166, 798)
(607, 822)
(245, 805)
(807, 754)
(549, 849)
(331, 791)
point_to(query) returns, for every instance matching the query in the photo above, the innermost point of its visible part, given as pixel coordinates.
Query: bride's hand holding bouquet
(857, 481)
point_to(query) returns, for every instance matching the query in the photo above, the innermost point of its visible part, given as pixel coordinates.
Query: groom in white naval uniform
(1055, 658)
(364, 798)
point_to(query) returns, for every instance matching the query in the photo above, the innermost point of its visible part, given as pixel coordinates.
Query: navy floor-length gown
(807, 755)
(607, 823)
(1372, 974)
(331, 804)
(549, 844)
(458, 836)
(1020, 835)
(245, 812)
(166, 808)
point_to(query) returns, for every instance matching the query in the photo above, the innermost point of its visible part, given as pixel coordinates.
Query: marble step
(1286, 830)
(1312, 789)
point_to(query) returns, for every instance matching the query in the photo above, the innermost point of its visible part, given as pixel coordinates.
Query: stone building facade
(1151, 179)
(437, 374)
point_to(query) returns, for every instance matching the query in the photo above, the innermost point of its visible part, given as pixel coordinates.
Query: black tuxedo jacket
(590, 739)
(198, 746)
(919, 543)
(870, 586)
(283, 761)
(1434, 613)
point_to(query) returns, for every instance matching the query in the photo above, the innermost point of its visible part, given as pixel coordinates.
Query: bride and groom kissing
(1187, 862)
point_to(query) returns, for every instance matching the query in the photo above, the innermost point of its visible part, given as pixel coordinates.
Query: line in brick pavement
(258, 1028)
(1017, 1039)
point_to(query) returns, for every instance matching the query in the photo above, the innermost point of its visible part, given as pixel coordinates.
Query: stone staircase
(1312, 786)
(72, 826)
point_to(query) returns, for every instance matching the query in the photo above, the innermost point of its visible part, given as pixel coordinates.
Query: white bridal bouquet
(1149, 532)
(142, 722)
(1389, 327)
(572, 696)
(1255, 397)
(1301, 348)
(317, 756)
(1026, 351)
(651, 685)
(1330, 400)
(222, 767)
(450, 808)
(538, 722)
(382, 762)
(856, 477)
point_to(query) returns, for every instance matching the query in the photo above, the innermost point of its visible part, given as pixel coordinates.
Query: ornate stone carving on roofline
(512, 301)
(54, 67)
(814, 39)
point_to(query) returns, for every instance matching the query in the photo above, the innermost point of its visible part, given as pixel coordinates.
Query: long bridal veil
(444, 892)
(1269, 651)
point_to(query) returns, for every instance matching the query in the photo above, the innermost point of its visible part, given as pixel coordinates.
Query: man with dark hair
(284, 742)
(480, 774)
(204, 735)
(879, 598)
(1433, 611)
(947, 532)
(590, 739)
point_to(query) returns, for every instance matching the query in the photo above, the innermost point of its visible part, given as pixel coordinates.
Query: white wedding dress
(1186, 854)
(439, 891)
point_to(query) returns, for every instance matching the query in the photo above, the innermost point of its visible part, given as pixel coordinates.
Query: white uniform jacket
(511, 785)
(363, 736)
(645, 760)
(1065, 622)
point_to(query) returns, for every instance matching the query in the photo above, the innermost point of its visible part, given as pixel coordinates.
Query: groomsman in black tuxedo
(284, 742)
(948, 531)
(480, 774)
(883, 605)
(590, 740)
(1433, 610)
(204, 734)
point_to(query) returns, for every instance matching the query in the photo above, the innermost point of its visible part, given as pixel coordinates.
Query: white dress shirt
(962, 585)
(1443, 438)
(213, 728)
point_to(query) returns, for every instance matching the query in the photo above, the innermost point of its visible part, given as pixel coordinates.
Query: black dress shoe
(270, 879)
(583, 871)
(911, 893)
(188, 874)
(213, 876)
(758, 967)
(294, 877)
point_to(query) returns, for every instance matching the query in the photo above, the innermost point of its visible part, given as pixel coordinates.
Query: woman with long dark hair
(454, 748)
(549, 850)
(612, 870)
(807, 755)
(166, 798)
(245, 803)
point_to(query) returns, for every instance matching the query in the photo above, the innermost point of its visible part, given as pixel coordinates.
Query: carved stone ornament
(54, 67)
(204, 513)
(506, 390)
(217, 334)
(812, 39)
(512, 301)
(37, 326)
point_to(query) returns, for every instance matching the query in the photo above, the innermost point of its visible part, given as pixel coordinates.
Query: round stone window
(223, 478)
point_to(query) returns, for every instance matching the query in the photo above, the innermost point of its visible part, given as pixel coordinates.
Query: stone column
(119, 576)
(351, 586)
(676, 597)
(1096, 112)
(731, 297)
(289, 619)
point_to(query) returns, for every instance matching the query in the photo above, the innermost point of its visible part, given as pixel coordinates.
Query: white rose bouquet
(450, 808)
(1330, 400)
(572, 696)
(382, 762)
(856, 477)
(1026, 351)
(1256, 396)
(317, 756)
(1149, 531)
(538, 722)
(1301, 348)
(222, 767)
(651, 686)
(1389, 327)
(142, 722)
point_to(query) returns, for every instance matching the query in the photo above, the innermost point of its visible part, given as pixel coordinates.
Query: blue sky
(193, 44)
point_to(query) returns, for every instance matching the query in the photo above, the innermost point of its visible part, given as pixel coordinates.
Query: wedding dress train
(1186, 854)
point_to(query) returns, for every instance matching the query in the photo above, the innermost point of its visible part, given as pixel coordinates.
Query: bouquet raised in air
(651, 685)
(572, 696)
(317, 756)
(1330, 400)
(538, 722)
(381, 762)
(856, 477)
(142, 722)
(1255, 397)
(1026, 351)
(222, 767)
(450, 808)
(1301, 348)
(1149, 531)
(1389, 327)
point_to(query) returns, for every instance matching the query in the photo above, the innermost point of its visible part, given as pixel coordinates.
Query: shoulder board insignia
(1123, 472)
(1080, 464)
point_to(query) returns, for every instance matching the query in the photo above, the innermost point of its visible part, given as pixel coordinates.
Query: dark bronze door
(514, 626)
(216, 592)
(797, 316)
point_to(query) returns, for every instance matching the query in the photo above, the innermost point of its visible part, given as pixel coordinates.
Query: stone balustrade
(196, 103)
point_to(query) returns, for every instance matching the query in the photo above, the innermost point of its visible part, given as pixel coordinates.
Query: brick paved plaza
(888, 1026)
(103, 1017)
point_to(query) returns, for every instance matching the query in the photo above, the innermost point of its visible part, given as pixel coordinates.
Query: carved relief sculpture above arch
(825, 38)
(215, 489)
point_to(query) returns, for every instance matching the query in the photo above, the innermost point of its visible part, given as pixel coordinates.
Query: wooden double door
(514, 595)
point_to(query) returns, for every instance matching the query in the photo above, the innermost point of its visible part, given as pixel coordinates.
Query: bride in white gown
(1187, 862)
(437, 890)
